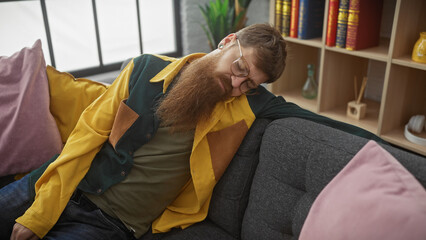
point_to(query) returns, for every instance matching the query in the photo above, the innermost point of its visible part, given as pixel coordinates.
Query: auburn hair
(270, 48)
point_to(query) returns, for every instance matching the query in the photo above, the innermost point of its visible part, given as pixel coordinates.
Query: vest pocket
(224, 144)
(124, 119)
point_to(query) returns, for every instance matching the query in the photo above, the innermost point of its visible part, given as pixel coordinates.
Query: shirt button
(99, 190)
(123, 173)
(148, 136)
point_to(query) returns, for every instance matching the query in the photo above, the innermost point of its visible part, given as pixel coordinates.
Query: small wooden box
(356, 110)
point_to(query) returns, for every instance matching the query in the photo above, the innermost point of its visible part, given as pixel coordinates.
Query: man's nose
(236, 81)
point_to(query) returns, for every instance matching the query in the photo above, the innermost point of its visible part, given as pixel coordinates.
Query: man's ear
(227, 40)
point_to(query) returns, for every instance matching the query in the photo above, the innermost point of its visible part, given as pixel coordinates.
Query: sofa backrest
(231, 193)
(297, 159)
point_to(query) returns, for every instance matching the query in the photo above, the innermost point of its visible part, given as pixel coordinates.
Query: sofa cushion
(205, 230)
(29, 135)
(297, 159)
(373, 197)
(69, 97)
(231, 193)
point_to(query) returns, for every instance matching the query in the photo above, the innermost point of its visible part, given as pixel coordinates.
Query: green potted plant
(223, 17)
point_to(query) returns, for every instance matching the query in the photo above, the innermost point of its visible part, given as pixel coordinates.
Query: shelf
(411, 21)
(369, 123)
(379, 53)
(315, 42)
(295, 96)
(407, 62)
(397, 137)
(396, 86)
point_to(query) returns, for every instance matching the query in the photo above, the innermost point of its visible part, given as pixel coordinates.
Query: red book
(363, 24)
(333, 11)
(294, 18)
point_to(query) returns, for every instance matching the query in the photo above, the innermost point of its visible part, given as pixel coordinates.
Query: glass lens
(244, 87)
(247, 86)
(239, 68)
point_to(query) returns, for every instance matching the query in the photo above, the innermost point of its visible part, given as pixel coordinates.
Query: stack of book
(300, 18)
(351, 24)
(358, 24)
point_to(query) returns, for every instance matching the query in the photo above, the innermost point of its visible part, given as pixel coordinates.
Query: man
(152, 147)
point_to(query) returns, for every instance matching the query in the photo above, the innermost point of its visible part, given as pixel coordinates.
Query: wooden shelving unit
(400, 82)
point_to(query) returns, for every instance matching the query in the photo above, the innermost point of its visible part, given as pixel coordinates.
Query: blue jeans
(81, 219)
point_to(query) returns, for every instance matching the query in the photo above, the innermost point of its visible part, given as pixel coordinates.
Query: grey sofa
(272, 182)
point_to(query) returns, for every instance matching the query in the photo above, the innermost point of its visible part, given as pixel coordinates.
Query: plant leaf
(221, 19)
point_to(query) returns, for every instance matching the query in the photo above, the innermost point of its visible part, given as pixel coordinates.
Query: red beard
(194, 95)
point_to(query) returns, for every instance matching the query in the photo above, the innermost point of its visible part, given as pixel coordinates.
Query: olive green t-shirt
(160, 170)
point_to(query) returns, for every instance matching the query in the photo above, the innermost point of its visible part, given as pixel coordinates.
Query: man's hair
(270, 48)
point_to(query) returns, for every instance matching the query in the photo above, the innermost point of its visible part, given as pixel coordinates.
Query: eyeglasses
(240, 68)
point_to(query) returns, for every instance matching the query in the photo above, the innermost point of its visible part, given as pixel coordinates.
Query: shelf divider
(407, 62)
(379, 53)
(315, 42)
(295, 96)
(396, 136)
(369, 123)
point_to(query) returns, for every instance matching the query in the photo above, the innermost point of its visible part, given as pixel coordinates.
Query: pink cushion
(28, 132)
(373, 197)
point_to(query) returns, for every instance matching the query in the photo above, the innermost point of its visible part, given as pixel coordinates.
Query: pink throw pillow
(373, 197)
(28, 132)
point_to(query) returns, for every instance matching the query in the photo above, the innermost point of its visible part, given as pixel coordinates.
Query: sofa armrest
(297, 159)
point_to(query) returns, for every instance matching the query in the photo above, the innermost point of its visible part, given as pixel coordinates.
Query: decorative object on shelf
(310, 88)
(356, 109)
(416, 124)
(222, 18)
(419, 50)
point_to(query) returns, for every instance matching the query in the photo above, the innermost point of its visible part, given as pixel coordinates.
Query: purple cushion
(28, 132)
(373, 197)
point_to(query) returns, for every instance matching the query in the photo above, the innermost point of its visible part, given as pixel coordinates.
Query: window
(87, 37)
(21, 23)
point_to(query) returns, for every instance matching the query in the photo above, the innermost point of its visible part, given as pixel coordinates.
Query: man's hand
(22, 233)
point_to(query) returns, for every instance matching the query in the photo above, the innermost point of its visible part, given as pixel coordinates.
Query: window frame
(103, 68)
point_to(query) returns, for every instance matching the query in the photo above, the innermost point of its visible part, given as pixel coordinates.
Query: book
(363, 24)
(285, 27)
(294, 18)
(333, 11)
(342, 23)
(311, 14)
(278, 14)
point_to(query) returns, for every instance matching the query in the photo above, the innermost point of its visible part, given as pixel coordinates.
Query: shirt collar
(169, 72)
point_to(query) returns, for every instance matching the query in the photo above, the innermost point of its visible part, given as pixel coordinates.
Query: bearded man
(149, 151)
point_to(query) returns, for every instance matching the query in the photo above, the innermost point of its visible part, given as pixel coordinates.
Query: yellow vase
(419, 50)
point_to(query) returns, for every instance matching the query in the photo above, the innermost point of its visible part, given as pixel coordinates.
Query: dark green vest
(111, 165)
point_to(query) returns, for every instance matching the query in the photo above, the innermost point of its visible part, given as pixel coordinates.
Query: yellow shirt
(215, 143)
(160, 170)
